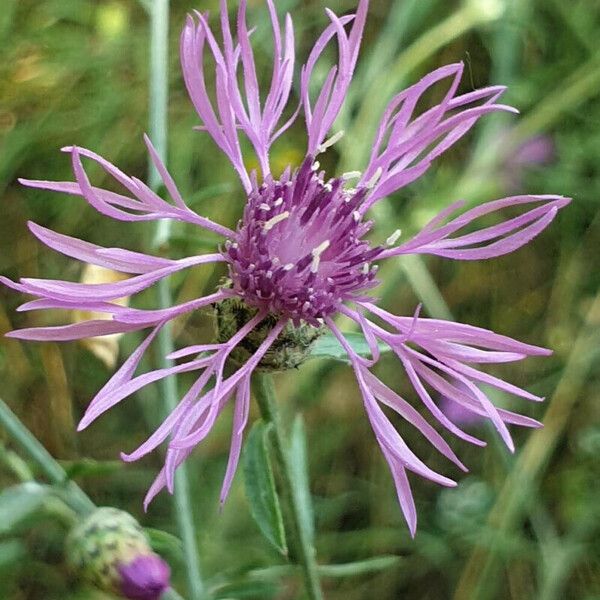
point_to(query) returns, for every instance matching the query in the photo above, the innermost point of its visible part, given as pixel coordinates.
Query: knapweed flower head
(300, 254)
(110, 550)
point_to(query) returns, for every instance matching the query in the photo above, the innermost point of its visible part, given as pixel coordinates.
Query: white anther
(278, 202)
(269, 274)
(394, 237)
(321, 248)
(276, 219)
(264, 206)
(356, 215)
(316, 253)
(328, 187)
(365, 268)
(351, 175)
(288, 267)
(330, 142)
(373, 181)
(315, 166)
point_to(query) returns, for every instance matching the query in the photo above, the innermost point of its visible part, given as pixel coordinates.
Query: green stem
(159, 82)
(171, 594)
(78, 499)
(264, 392)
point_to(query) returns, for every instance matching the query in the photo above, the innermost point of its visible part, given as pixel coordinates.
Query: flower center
(299, 250)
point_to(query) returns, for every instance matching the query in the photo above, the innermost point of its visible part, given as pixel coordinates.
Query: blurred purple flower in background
(458, 413)
(535, 151)
(299, 255)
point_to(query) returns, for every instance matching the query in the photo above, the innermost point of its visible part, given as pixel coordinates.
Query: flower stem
(264, 392)
(77, 498)
(171, 594)
(159, 82)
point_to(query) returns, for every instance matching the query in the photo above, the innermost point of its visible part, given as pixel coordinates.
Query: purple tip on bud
(145, 578)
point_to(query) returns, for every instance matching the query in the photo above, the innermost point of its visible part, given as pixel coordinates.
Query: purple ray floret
(300, 255)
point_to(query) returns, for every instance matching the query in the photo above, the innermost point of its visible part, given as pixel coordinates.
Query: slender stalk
(159, 81)
(77, 498)
(171, 594)
(264, 392)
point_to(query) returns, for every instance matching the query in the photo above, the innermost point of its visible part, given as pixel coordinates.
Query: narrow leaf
(21, 502)
(165, 543)
(261, 590)
(89, 467)
(328, 346)
(335, 571)
(300, 480)
(361, 567)
(260, 487)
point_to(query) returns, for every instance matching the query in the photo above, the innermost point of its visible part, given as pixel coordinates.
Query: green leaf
(21, 502)
(247, 589)
(260, 487)
(165, 543)
(328, 346)
(360, 567)
(335, 571)
(300, 480)
(89, 467)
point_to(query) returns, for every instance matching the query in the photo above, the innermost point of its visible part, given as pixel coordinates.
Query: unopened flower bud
(145, 577)
(110, 550)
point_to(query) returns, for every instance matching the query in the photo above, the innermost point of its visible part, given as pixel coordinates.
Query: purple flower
(532, 152)
(299, 255)
(457, 412)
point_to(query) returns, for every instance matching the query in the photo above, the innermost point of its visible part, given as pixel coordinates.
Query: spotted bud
(289, 350)
(110, 550)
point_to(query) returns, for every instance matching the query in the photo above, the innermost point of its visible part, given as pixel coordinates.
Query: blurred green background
(519, 527)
